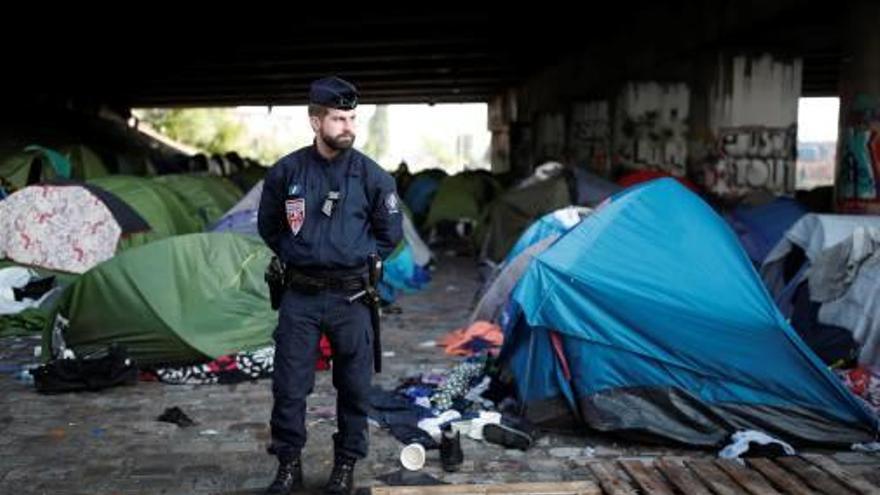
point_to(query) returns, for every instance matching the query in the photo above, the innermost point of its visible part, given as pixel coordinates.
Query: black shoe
(511, 433)
(342, 478)
(288, 478)
(451, 456)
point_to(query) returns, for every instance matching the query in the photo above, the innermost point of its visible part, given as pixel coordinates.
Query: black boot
(451, 456)
(342, 478)
(288, 478)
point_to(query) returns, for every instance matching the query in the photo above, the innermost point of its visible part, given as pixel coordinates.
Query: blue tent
(648, 320)
(420, 193)
(759, 228)
(242, 222)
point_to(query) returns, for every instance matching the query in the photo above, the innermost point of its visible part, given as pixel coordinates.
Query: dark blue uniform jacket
(366, 217)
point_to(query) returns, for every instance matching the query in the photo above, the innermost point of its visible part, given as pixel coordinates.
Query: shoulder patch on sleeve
(392, 204)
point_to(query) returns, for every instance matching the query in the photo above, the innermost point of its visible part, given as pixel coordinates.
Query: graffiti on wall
(651, 127)
(590, 135)
(550, 137)
(858, 180)
(753, 157)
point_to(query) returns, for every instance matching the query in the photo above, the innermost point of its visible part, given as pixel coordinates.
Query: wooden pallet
(806, 474)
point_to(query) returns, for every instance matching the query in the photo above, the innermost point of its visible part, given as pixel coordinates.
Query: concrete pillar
(589, 136)
(650, 128)
(858, 145)
(499, 125)
(522, 149)
(748, 124)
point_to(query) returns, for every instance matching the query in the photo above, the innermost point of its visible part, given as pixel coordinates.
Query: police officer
(324, 210)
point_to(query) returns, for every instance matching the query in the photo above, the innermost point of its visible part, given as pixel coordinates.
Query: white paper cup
(412, 457)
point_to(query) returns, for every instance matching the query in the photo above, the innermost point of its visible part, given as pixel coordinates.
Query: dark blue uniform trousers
(302, 318)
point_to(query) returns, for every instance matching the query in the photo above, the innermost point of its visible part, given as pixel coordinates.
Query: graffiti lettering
(858, 181)
(754, 158)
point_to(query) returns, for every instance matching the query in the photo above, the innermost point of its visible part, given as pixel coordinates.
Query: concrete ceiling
(394, 56)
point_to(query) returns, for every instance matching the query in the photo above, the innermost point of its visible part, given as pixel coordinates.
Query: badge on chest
(296, 213)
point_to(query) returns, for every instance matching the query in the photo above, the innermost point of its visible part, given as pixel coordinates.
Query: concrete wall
(752, 125)
(650, 127)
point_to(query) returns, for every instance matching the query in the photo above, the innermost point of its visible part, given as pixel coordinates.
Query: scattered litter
(177, 416)
(412, 456)
(388, 354)
(475, 393)
(428, 343)
(323, 412)
(473, 339)
(209, 432)
(24, 374)
(866, 447)
(756, 444)
(566, 452)
(433, 378)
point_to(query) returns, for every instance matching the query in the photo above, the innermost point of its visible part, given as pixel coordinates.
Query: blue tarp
(662, 328)
(402, 274)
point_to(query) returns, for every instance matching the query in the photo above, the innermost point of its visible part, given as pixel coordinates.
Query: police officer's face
(336, 129)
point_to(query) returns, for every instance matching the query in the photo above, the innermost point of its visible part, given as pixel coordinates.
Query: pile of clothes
(431, 408)
(864, 383)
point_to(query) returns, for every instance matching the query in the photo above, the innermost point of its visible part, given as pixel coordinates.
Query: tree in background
(439, 153)
(213, 130)
(377, 134)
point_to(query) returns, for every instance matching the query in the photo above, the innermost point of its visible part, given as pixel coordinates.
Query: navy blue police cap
(333, 92)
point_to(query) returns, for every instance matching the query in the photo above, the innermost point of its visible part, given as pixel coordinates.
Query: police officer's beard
(340, 142)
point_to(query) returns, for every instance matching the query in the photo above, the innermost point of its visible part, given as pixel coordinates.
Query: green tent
(32, 165)
(179, 300)
(514, 211)
(249, 176)
(463, 195)
(166, 213)
(207, 197)
(85, 163)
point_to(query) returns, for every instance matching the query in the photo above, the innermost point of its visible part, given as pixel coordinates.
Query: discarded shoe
(176, 416)
(511, 433)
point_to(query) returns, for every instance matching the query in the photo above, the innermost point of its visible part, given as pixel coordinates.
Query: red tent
(646, 175)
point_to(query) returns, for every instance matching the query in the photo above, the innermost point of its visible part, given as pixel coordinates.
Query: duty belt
(297, 279)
